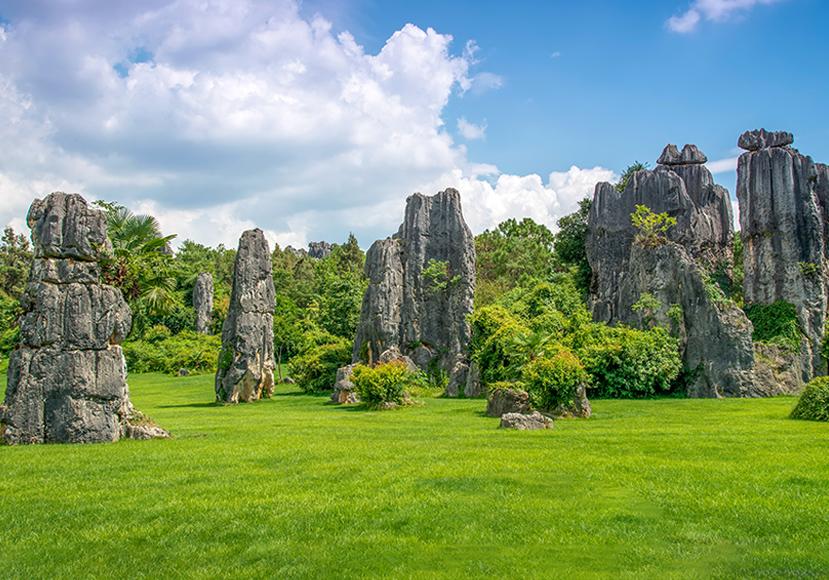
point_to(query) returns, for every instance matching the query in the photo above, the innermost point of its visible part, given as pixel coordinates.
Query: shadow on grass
(210, 404)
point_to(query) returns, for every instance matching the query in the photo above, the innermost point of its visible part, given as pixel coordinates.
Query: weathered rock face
(715, 335)
(246, 362)
(203, 302)
(534, 420)
(681, 187)
(319, 250)
(783, 212)
(67, 380)
(423, 317)
(501, 401)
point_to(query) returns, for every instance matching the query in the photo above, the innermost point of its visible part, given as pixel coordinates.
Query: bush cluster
(813, 403)
(165, 352)
(625, 362)
(551, 382)
(315, 371)
(383, 383)
(775, 323)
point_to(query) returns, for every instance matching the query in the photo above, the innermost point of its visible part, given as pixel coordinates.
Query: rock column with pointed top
(67, 379)
(425, 318)
(246, 362)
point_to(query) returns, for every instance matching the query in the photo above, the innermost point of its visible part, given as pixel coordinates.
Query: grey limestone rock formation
(681, 187)
(425, 317)
(319, 250)
(203, 302)
(534, 420)
(344, 392)
(783, 211)
(67, 381)
(501, 401)
(715, 335)
(246, 362)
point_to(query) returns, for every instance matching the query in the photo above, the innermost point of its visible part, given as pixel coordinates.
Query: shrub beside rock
(813, 404)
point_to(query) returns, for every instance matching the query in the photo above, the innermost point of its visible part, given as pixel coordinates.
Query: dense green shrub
(775, 323)
(161, 351)
(626, 362)
(384, 383)
(553, 381)
(494, 333)
(315, 371)
(813, 403)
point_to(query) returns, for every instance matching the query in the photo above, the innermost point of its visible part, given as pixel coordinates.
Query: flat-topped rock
(690, 155)
(762, 139)
(67, 380)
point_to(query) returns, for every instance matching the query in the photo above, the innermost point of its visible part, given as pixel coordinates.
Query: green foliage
(494, 332)
(651, 225)
(439, 275)
(646, 302)
(315, 371)
(512, 252)
(628, 173)
(676, 314)
(504, 385)
(551, 382)
(810, 270)
(164, 352)
(775, 323)
(813, 403)
(626, 362)
(569, 249)
(15, 260)
(384, 383)
(226, 355)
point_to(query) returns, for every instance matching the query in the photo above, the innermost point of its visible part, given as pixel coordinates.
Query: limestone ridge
(67, 381)
(680, 186)
(425, 318)
(783, 218)
(246, 362)
(715, 335)
(203, 302)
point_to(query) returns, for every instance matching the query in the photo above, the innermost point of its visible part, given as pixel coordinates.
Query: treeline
(530, 325)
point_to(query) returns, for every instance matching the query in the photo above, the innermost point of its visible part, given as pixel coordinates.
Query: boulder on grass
(522, 422)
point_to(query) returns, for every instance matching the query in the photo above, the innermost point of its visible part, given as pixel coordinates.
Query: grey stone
(581, 404)
(401, 307)
(459, 375)
(183, 372)
(670, 155)
(343, 387)
(762, 139)
(685, 191)
(245, 370)
(203, 302)
(783, 211)
(319, 250)
(715, 336)
(501, 401)
(300, 253)
(393, 354)
(67, 379)
(473, 388)
(522, 422)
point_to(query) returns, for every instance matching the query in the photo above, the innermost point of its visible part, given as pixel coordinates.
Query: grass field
(295, 488)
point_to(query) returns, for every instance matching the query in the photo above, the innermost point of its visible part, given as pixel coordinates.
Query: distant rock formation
(425, 317)
(299, 253)
(783, 218)
(67, 381)
(319, 250)
(681, 187)
(715, 335)
(203, 302)
(246, 362)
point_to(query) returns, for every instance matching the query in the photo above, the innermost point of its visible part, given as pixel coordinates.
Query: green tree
(628, 173)
(512, 252)
(15, 261)
(651, 225)
(569, 245)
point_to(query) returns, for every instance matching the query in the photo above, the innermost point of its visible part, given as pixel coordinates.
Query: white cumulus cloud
(471, 131)
(714, 10)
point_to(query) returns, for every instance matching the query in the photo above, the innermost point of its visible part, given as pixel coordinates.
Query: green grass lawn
(292, 487)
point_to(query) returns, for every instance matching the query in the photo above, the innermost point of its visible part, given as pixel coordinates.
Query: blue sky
(313, 119)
